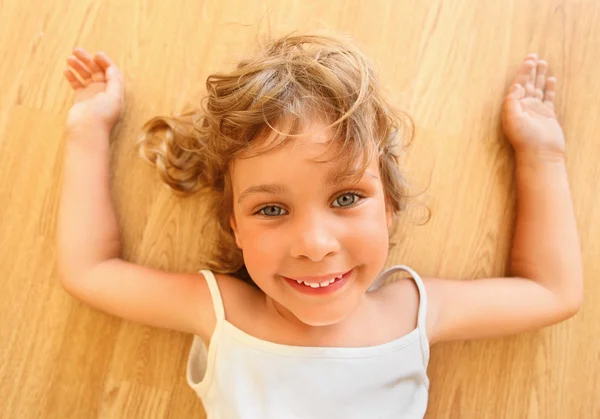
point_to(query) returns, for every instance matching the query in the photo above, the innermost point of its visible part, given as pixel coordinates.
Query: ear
(234, 228)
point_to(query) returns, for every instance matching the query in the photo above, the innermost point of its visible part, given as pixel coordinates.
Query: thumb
(511, 103)
(114, 79)
(114, 86)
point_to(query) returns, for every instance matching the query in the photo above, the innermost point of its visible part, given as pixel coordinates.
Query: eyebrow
(278, 188)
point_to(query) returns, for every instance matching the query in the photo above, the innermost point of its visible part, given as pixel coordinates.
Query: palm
(99, 99)
(89, 91)
(529, 119)
(92, 101)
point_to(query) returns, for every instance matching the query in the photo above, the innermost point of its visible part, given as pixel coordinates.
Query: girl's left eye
(346, 201)
(343, 199)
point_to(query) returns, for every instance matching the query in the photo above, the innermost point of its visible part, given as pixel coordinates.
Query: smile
(320, 284)
(323, 287)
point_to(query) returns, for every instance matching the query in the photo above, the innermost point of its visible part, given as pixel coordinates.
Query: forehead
(309, 134)
(312, 149)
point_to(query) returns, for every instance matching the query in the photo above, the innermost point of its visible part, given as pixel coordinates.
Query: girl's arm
(88, 240)
(546, 262)
(89, 250)
(88, 232)
(547, 286)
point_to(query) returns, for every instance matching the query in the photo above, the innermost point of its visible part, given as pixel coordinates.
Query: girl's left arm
(547, 282)
(547, 286)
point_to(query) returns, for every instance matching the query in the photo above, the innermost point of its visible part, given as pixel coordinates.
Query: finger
(532, 56)
(530, 84)
(550, 92)
(524, 72)
(74, 81)
(78, 66)
(103, 61)
(540, 79)
(97, 73)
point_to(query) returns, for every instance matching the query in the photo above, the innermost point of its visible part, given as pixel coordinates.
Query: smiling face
(308, 227)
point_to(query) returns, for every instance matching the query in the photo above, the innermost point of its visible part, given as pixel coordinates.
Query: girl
(296, 148)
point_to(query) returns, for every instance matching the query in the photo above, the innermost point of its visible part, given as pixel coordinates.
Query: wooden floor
(446, 62)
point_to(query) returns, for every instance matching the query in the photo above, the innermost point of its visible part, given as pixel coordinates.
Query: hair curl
(287, 82)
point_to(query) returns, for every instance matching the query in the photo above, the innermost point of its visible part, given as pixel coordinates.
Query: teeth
(321, 284)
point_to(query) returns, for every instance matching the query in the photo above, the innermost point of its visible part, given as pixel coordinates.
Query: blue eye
(270, 214)
(346, 201)
(273, 211)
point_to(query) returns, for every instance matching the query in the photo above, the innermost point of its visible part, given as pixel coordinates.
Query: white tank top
(241, 376)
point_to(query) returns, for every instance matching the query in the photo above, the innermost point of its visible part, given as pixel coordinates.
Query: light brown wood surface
(448, 63)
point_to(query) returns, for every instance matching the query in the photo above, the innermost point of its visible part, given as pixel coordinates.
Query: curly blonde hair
(287, 82)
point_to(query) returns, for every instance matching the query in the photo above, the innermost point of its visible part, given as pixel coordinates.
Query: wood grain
(448, 63)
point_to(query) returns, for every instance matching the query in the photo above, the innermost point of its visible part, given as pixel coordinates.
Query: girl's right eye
(269, 213)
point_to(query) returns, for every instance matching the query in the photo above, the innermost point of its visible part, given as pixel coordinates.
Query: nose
(313, 237)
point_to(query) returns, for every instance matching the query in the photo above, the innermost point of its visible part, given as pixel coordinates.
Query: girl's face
(292, 223)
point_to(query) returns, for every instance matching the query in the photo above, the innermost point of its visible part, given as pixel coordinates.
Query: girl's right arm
(89, 263)
(88, 240)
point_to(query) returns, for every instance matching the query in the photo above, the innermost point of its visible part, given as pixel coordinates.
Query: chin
(322, 319)
(320, 322)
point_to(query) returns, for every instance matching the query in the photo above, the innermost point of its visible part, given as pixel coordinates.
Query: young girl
(296, 148)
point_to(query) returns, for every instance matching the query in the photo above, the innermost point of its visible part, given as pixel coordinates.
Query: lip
(329, 289)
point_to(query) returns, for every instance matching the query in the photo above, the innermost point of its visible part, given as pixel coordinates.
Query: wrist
(538, 156)
(89, 138)
(87, 128)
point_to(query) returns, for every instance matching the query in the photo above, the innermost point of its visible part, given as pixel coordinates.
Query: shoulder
(398, 299)
(402, 295)
(234, 289)
(237, 296)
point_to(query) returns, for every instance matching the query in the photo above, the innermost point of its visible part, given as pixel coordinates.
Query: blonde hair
(287, 82)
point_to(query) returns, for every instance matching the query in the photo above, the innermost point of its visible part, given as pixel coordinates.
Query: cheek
(261, 246)
(368, 239)
(372, 223)
(263, 257)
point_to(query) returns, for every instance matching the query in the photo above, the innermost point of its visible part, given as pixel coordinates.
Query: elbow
(572, 304)
(69, 278)
(72, 280)
(69, 284)
(72, 274)
(65, 278)
(575, 306)
(577, 299)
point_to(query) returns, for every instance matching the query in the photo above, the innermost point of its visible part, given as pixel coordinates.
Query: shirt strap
(215, 294)
(422, 311)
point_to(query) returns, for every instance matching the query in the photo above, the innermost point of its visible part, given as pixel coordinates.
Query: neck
(294, 325)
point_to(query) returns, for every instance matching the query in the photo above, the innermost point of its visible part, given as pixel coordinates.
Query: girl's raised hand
(528, 117)
(99, 91)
